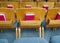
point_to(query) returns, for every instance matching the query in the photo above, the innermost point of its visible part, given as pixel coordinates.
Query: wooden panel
(54, 23)
(30, 23)
(14, 4)
(57, 4)
(23, 4)
(52, 0)
(39, 13)
(6, 24)
(14, 0)
(59, 1)
(26, 0)
(9, 13)
(52, 13)
(3, 0)
(50, 4)
(40, 0)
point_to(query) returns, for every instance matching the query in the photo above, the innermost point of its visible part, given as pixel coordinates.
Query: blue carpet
(9, 34)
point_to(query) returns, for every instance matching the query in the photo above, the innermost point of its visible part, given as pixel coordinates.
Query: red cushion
(58, 16)
(10, 6)
(46, 7)
(2, 17)
(28, 6)
(30, 16)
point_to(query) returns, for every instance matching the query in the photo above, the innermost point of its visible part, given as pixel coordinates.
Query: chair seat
(55, 39)
(5, 23)
(30, 40)
(3, 41)
(54, 23)
(31, 23)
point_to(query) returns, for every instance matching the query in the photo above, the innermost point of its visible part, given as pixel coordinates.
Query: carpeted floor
(9, 34)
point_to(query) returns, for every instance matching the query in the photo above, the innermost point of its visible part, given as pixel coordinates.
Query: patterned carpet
(9, 34)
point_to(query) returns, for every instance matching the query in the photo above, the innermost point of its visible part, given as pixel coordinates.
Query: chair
(52, 0)
(14, 0)
(51, 17)
(55, 39)
(57, 4)
(3, 41)
(38, 18)
(3, 0)
(24, 4)
(31, 40)
(9, 18)
(58, 0)
(49, 4)
(26, 0)
(40, 0)
(10, 4)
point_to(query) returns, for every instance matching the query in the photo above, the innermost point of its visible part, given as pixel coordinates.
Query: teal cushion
(30, 40)
(55, 39)
(3, 41)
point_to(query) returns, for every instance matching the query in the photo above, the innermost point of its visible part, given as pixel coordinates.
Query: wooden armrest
(48, 20)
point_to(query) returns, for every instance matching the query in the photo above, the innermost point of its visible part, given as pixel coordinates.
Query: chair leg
(37, 30)
(18, 33)
(40, 32)
(1, 30)
(54, 29)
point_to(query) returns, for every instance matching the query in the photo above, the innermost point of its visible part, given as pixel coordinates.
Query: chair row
(29, 4)
(29, 18)
(8, 19)
(17, 0)
(26, 40)
(54, 39)
(32, 0)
